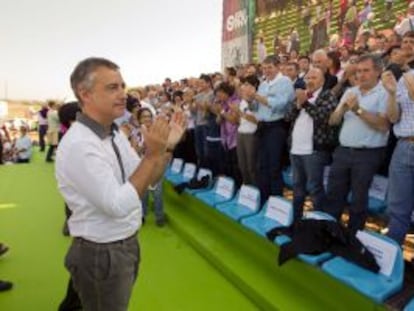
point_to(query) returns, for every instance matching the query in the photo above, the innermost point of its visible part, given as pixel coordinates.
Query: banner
(237, 30)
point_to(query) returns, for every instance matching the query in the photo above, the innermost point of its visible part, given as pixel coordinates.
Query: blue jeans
(158, 205)
(271, 141)
(200, 134)
(401, 190)
(352, 170)
(308, 178)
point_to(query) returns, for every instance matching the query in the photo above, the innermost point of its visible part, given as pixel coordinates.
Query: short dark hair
(82, 75)
(177, 94)
(376, 60)
(206, 78)
(293, 64)
(142, 110)
(272, 59)
(226, 88)
(67, 113)
(304, 57)
(231, 71)
(409, 34)
(252, 80)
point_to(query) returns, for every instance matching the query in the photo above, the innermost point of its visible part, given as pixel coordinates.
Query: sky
(41, 41)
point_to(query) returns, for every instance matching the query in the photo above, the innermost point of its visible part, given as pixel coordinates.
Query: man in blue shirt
(362, 138)
(401, 172)
(271, 101)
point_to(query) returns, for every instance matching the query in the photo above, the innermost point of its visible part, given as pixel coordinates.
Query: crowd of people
(346, 107)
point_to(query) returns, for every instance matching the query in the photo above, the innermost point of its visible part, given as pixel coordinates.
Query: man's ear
(84, 94)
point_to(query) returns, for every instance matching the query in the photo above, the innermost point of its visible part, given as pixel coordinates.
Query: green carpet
(172, 275)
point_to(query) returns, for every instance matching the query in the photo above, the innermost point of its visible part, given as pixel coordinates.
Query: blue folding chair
(188, 172)
(276, 213)
(409, 306)
(246, 203)
(201, 173)
(174, 169)
(377, 286)
(222, 191)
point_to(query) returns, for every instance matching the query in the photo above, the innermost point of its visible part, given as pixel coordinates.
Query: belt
(409, 139)
(363, 148)
(123, 241)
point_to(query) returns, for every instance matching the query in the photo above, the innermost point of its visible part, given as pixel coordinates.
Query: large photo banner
(237, 31)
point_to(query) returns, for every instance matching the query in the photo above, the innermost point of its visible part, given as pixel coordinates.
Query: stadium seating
(277, 212)
(222, 191)
(200, 174)
(246, 203)
(410, 306)
(378, 286)
(174, 169)
(188, 172)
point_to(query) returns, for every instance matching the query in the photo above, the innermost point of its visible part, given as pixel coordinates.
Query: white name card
(383, 251)
(280, 210)
(225, 187)
(249, 197)
(379, 187)
(176, 165)
(203, 172)
(189, 170)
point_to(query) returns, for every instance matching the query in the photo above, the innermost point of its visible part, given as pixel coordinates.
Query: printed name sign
(249, 197)
(176, 165)
(189, 170)
(225, 187)
(383, 251)
(280, 210)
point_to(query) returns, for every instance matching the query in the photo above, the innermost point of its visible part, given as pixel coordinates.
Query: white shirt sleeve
(92, 174)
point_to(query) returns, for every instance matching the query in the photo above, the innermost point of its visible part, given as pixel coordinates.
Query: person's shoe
(160, 222)
(5, 285)
(3, 249)
(50, 160)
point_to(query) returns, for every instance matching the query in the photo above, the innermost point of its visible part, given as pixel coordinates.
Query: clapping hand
(352, 102)
(177, 125)
(389, 82)
(156, 137)
(301, 98)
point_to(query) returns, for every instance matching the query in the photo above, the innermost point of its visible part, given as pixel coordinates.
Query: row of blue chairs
(244, 208)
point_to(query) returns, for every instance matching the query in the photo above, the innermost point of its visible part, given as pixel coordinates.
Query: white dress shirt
(104, 207)
(302, 135)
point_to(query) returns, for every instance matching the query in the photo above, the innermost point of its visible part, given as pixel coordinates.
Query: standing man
(401, 172)
(271, 101)
(42, 126)
(320, 60)
(312, 140)
(52, 130)
(102, 179)
(363, 138)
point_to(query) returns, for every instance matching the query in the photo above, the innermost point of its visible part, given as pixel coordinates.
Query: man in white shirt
(23, 146)
(311, 140)
(103, 180)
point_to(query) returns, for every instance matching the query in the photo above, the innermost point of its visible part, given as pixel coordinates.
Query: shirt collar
(375, 89)
(99, 130)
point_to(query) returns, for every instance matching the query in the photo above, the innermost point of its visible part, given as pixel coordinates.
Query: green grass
(172, 275)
